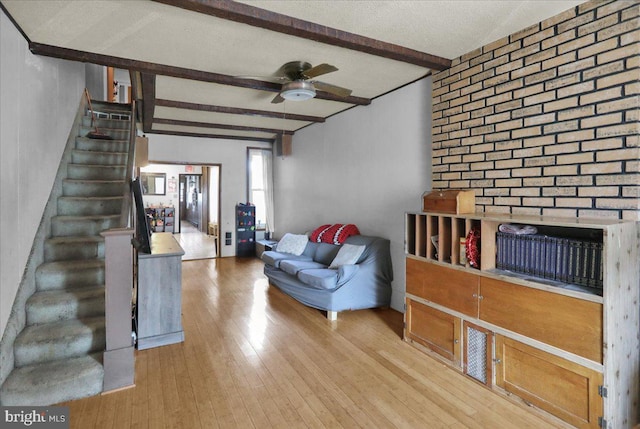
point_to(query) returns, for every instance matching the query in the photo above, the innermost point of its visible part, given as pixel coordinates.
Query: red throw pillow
(334, 234)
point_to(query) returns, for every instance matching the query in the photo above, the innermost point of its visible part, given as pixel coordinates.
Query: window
(259, 174)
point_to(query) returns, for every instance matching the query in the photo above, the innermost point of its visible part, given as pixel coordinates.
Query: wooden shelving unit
(558, 346)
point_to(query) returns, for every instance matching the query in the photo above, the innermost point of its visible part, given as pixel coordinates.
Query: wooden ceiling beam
(148, 100)
(236, 110)
(212, 136)
(218, 126)
(173, 71)
(251, 15)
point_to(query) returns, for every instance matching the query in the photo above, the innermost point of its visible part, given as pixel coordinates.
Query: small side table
(264, 245)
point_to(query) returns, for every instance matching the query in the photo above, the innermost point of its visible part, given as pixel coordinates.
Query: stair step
(114, 133)
(59, 340)
(88, 206)
(57, 305)
(107, 123)
(74, 247)
(93, 188)
(69, 274)
(83, 143)
(65, 226)
(54, 382)
(90, 157)
(98, 172)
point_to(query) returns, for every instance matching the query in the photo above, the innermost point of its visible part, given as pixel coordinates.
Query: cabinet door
(562, 388)
(455, 289)
(434, 329)
(565, 322)
(415, 276)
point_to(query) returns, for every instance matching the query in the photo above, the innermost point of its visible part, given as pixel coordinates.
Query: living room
(555, 133)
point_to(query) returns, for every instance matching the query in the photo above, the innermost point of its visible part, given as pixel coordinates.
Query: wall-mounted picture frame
(154, 183)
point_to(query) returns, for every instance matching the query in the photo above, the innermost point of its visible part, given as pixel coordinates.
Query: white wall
(366, 166)
(38, 102)
(231, 154)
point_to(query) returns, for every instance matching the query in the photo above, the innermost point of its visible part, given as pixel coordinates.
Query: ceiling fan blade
(319, 70)
(277, 99)
(333, 89)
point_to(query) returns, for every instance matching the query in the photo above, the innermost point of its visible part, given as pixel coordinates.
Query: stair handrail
(126, 217)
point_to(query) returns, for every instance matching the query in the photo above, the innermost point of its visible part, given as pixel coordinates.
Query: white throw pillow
(347, 255)
(292, 243)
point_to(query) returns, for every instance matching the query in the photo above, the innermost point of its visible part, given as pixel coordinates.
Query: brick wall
(546, 120)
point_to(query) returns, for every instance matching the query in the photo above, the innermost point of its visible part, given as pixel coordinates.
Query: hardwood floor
(255, 358)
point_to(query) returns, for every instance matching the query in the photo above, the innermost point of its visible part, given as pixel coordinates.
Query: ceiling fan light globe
(298, 91)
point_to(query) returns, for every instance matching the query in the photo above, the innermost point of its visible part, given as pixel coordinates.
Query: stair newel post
(118, 356)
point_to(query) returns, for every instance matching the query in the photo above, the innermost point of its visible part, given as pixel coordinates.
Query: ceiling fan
(298, 85)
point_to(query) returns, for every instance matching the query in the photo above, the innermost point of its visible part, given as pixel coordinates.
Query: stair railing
(119, 363)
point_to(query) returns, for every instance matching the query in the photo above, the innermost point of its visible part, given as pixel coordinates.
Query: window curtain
(267, 176)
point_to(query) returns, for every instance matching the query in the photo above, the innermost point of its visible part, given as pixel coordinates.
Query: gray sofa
(307, 278)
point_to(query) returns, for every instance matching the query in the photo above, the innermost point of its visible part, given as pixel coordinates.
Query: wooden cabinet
(556, 340)
(566, 322)
(436, 330)
(561, 387)
(159, 293)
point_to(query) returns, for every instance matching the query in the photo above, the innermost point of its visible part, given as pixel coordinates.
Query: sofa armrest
(346, 273)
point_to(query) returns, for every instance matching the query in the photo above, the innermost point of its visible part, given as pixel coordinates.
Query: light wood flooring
(196, 244)
(255, 358)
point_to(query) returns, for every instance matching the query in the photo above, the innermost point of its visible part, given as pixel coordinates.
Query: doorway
(191, 198)
(199, 205)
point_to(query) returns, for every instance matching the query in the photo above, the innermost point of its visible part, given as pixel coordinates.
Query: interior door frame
(205, 196)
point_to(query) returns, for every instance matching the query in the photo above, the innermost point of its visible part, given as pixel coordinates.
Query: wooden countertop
(163, 244)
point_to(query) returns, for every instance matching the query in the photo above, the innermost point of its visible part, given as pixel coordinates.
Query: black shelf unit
(245, 230)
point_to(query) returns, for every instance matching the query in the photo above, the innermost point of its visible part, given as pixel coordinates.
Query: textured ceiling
(204, 71)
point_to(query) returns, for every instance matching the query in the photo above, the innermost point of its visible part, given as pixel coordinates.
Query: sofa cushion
(327, 279)
(324, 252)
(273, 258)
(347, 255)
(322, 278)
(292, 266)
(292, 243)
